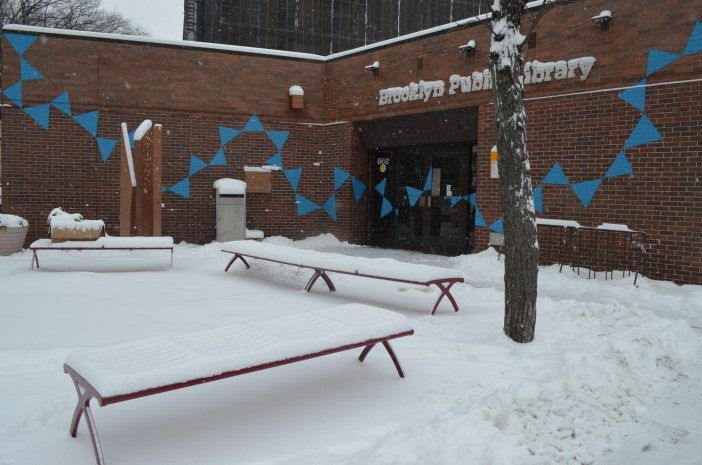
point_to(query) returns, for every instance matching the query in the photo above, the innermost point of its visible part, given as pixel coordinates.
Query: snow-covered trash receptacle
(230, 205)
(13, 231)
(72, 227)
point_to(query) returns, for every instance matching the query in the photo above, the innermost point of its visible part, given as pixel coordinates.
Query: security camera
(468, 48)
(603, 19)
(374, 67)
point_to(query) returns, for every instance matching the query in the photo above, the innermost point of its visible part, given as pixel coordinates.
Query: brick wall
(192, 91)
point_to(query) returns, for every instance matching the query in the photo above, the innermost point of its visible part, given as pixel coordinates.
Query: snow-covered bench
(104, 243)
(137, 369)
(325, 262)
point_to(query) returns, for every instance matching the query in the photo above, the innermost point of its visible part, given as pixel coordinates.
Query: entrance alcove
(409, 210)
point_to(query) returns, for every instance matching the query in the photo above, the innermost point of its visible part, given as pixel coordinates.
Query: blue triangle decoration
(358, 188)
(254, 125)
(454, 199)
(413, 195)
(340, 177)
(657, 59)
(556, 176)
(304, 205)
(539, 199)
(293, 176)
(277, 137)
(430, 179)
(381, 186)
(635, 96)
(386, 208)
(498, 226)
(14, 93)
(89, 121)
(472, 198)
(106, 146)
(643, 133)
(195, 165)
(28, 72)
(62, 103)
(620, 166)
(40, 114)
(479, 220)
(586, 190)
(20, 42)
(694, 43)
(181, 188)
(275, 160)
(219, 159)
(330, 206)
(226, 134)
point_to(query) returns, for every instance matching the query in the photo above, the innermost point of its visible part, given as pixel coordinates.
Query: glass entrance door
(447, 214)
(412, 223)
(418, 198)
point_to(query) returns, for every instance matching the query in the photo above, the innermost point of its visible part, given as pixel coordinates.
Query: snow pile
(296, 90)
(12, 221)
(575, 415)
(228, 186)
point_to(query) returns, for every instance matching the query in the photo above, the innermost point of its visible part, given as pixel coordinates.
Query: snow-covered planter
(72, 227)
(13, 231)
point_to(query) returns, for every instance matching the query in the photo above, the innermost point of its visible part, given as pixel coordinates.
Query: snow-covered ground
(613, 376)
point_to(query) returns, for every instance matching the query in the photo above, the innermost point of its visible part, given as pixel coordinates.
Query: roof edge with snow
(264, 51)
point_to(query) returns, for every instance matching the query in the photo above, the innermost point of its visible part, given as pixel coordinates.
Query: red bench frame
(35, 257)
(444, 285)
(86, 392)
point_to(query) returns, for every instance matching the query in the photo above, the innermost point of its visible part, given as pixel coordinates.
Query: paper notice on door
(436, 183)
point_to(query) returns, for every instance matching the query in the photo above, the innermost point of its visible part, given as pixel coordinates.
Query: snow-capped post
(140, 180)
(521, 247)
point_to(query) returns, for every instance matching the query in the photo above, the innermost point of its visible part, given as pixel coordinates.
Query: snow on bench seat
(386, 268)
(132, 367)
(108, 242)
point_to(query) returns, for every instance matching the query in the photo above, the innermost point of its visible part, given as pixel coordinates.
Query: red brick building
(391, 159)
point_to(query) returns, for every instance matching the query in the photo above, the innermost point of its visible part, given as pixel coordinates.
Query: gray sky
(163, 18)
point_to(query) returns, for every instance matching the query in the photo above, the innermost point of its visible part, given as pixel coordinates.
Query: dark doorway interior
(426, 220)
(408, 210)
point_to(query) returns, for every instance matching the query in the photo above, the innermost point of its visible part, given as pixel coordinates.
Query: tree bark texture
(521, 247)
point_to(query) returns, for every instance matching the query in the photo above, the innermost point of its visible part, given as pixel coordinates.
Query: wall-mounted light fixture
(374, 67)
(297, 97)
(468, 48)
(603, 19)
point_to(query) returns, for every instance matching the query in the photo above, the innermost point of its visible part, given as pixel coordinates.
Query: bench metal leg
(234, 259)
(83, 408)
(35, 259)
(320, 274)
(391, 352)
(445, 291)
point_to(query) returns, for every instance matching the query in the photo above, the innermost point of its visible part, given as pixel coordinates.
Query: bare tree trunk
(519, 220)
